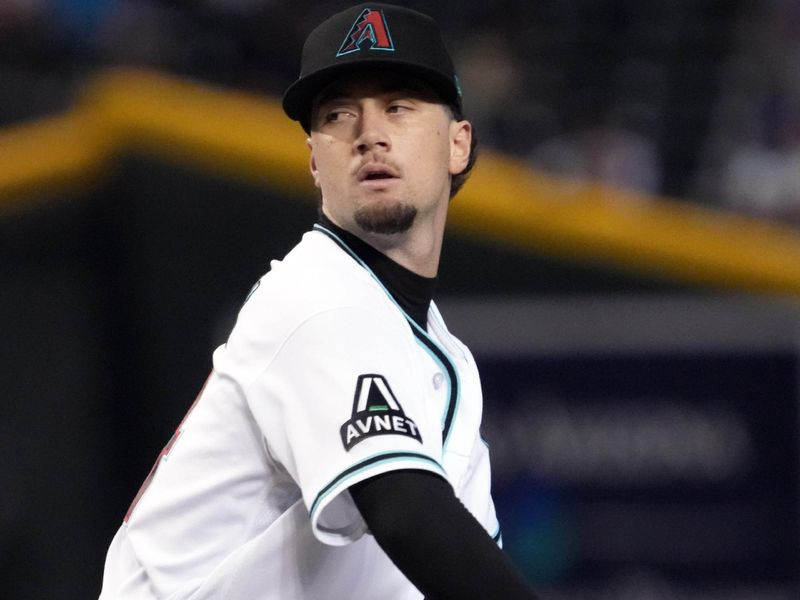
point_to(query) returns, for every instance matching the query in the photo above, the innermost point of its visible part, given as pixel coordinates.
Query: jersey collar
(411, 291)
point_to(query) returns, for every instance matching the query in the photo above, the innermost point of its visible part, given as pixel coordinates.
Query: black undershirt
(415, 516)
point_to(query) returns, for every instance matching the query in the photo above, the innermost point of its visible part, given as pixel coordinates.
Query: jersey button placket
(438, 380)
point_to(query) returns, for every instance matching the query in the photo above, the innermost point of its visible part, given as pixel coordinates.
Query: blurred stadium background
(625, 264)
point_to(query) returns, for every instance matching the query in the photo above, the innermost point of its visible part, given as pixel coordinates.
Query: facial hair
(386, 220)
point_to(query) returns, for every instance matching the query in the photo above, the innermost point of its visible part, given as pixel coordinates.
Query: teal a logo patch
(369, 32)
(376, 411)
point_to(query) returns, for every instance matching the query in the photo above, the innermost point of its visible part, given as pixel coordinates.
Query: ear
(312, 163)
(460, 145)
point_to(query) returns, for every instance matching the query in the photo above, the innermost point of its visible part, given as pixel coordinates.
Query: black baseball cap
(383, 36)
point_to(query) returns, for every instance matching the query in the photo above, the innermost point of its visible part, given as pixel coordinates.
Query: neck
(419, 254)
(418, 249)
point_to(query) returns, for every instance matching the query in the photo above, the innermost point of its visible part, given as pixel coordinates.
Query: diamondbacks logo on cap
(376, 411)
(370, 25)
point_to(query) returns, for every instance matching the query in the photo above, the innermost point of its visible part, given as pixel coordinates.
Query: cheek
(329, 162)
(430, 141)
(436, 152)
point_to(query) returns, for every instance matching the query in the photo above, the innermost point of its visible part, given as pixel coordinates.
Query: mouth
(376, 174)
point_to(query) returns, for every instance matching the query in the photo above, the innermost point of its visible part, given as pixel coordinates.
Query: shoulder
(316, 278)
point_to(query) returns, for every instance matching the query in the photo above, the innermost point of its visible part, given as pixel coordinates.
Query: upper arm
(338, 404)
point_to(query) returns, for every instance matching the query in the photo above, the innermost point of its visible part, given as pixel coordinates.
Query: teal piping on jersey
(497, 536)
(453, 383)
(419, 332)
(367, 463)
(449, 388)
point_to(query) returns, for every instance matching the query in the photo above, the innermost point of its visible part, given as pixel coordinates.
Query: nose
(372, 133)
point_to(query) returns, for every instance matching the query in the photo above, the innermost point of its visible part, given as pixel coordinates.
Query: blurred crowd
(698, 99)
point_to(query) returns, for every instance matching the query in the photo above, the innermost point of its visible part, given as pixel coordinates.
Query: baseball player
(334, 451)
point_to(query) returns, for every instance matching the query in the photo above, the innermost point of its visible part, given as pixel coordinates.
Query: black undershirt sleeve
(434, 540)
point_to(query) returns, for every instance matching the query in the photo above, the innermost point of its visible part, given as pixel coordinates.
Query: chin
(386, 219)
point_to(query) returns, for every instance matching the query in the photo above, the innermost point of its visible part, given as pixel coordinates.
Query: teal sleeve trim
(368, 463)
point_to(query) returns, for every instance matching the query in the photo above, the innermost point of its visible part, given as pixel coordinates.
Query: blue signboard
(665, 469)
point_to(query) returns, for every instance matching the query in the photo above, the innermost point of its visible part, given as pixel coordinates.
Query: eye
(397, 108)
(333, 116)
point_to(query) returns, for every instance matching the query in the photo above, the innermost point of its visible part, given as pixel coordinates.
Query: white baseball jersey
(324, 381)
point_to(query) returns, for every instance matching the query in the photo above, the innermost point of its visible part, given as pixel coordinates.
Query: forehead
(372, 83)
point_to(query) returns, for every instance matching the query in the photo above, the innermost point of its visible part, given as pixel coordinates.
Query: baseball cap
(383, 36)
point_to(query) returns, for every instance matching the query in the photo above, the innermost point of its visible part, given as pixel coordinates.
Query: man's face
(383, 150)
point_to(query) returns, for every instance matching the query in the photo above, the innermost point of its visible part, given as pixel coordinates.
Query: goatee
(386, 220)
